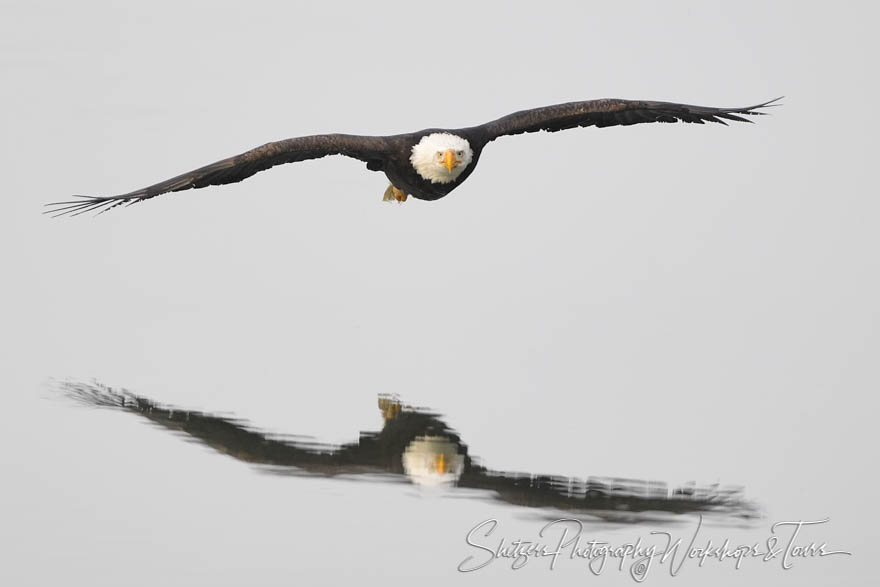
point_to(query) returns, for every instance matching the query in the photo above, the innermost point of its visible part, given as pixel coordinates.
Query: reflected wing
(613, 112)
(228, 435)
(609, 498)
(234, 169)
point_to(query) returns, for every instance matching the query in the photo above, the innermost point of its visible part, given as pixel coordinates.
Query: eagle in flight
(427, 164)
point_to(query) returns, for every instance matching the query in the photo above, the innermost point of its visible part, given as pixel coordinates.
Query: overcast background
(670, 302)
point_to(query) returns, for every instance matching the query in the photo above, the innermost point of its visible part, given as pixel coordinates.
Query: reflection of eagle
(417, 445)
(427, 164)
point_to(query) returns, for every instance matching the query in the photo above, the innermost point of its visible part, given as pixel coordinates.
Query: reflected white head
(441, 157)
(432, 461)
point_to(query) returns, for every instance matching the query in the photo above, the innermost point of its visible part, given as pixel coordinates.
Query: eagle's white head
(441, 157)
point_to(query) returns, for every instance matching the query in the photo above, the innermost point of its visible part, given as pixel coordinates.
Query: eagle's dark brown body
(402, 175)
(391, 154)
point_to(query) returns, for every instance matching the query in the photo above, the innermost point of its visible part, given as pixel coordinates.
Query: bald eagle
(419, 446)
(427, 164)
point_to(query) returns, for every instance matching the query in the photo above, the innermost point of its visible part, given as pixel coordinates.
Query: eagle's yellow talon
(392, 194)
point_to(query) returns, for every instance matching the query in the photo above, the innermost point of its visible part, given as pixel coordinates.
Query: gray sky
(668, 302)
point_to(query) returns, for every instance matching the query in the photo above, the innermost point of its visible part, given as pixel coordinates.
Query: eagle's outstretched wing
(612, 112)
(233, 169)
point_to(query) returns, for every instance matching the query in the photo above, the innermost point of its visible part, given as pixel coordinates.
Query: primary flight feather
(427, 164)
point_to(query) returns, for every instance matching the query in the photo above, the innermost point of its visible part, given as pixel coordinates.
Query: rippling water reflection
(417, 446)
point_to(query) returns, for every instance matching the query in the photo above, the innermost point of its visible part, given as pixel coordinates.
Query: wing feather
(236, 168)
(613, 112)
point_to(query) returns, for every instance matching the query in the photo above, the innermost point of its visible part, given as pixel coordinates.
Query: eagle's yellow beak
(440, 459)
(449, 159)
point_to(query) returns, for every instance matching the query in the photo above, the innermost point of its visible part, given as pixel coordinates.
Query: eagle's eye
(439, 155)
(460, 153)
